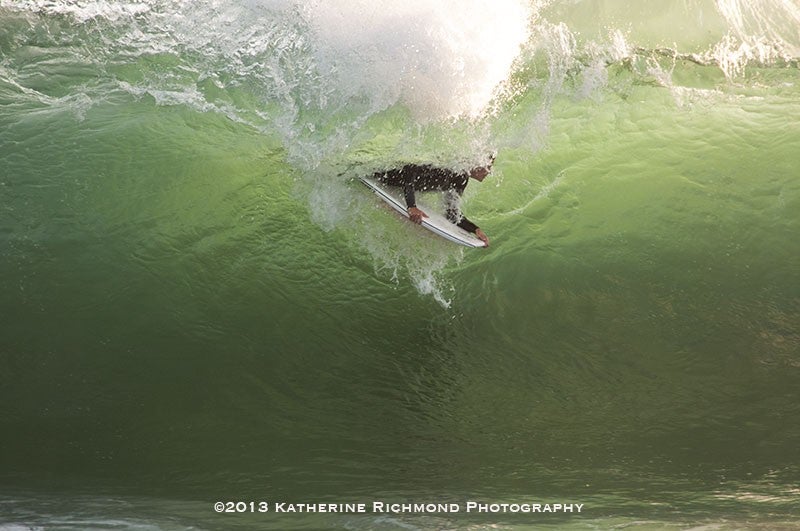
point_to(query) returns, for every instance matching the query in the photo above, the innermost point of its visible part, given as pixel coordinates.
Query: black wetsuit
(428, 178)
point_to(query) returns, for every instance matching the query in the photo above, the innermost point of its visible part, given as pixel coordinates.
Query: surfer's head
(480, 173)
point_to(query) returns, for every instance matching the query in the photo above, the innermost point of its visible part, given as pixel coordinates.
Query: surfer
(425, 178)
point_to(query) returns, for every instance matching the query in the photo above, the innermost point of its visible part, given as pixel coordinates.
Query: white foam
(773, 21)
(84, 10)
(441, 59)
(760, 31)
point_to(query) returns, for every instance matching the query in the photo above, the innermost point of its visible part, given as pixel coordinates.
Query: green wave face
(199, 301)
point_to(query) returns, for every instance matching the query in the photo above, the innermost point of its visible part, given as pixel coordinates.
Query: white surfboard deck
(435, 222)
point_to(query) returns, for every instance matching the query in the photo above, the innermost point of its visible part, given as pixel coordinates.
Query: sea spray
(441, 60)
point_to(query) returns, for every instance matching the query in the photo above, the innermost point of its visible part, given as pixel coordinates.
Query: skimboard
(435, 222)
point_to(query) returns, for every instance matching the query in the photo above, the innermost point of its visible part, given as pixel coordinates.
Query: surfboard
(435, 222)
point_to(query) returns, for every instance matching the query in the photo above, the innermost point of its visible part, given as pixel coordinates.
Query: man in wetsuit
(425, 178)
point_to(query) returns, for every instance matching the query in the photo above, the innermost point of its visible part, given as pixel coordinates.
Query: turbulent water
(199, 302)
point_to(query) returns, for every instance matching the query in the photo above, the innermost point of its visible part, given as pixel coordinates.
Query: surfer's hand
(416, 215)
(481, 236)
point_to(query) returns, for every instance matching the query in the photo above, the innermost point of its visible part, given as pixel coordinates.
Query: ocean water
(199, 303)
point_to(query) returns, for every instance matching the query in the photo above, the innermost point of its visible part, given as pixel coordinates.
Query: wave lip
(441, 60)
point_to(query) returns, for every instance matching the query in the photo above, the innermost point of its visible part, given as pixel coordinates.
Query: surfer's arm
(414, 213)
(454, 216)
(451, 200)
(469, 226)
(408, 192)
